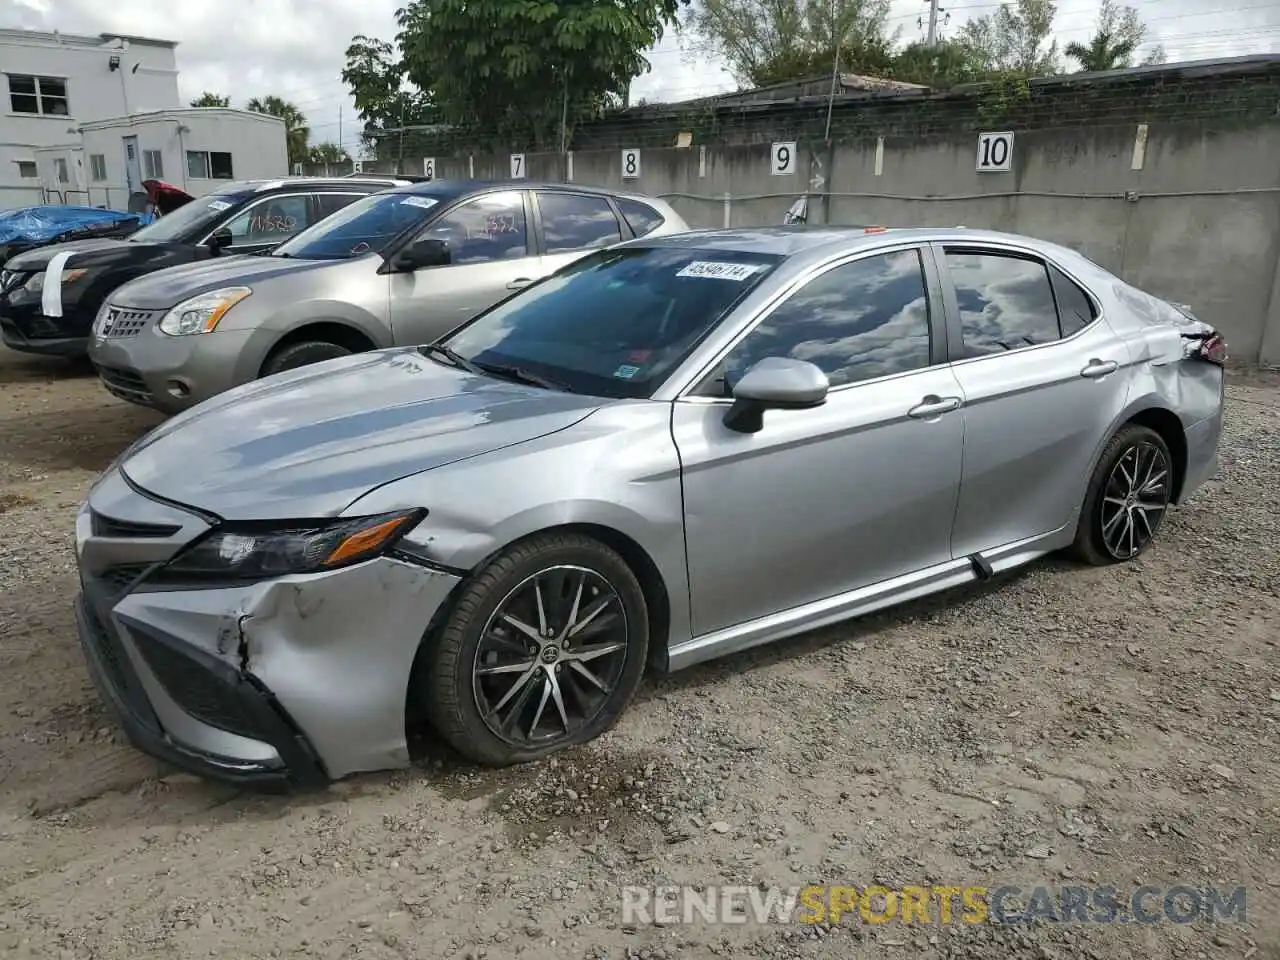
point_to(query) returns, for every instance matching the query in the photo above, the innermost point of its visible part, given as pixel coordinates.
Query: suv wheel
(1128, 497)
(300, 355)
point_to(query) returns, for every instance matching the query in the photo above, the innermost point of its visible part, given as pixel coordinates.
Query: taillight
(1214, 349)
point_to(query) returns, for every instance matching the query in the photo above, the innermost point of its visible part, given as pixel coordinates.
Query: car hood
(307, 443)
(172, 286)
(89, 252)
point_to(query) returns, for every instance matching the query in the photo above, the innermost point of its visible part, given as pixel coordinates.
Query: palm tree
(1104, 52)
(208, 99)
(296, 131)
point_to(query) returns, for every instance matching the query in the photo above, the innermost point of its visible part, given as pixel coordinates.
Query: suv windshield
(362, 227)
(615, 323)
(190, 218)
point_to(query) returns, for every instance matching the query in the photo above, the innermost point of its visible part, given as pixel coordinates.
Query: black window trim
(1002, 249)
(625, 232)
(939, 331)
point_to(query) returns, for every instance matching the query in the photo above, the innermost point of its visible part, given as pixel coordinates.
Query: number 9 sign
(782, 159)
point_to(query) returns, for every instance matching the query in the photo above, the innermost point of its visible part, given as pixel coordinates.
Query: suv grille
(119, 322)
(125, 384)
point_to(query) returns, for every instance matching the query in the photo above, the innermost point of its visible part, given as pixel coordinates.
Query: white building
(84, 120)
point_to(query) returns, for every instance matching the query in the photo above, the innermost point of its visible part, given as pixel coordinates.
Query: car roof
(800, 240)
(451, 189)
(287, 183)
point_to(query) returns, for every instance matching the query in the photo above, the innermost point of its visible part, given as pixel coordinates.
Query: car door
(823, 501)
(1043, 379)
(492, 254)
(267, 223)
(574, 224)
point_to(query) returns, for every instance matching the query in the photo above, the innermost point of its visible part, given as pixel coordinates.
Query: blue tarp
(44, 223)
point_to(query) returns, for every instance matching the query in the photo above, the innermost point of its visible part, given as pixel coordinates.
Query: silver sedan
(671, 450)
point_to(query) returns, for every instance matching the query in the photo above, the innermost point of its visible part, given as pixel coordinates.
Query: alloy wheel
(550, 655)
(1135, 499)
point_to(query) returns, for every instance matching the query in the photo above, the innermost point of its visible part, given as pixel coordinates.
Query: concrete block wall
(1169, 177)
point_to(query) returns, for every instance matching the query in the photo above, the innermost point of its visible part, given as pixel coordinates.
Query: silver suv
(403, 266)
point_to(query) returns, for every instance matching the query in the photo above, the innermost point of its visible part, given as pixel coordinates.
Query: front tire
(296, 355)
(543, 650)
(1128, 496)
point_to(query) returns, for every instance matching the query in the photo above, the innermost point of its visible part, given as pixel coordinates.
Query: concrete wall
(1168, 176)
(94, 92)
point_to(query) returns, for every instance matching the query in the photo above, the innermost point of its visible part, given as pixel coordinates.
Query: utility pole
(340, 145)
(932, 38)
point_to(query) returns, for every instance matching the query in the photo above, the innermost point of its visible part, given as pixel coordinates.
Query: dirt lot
(1062, 726)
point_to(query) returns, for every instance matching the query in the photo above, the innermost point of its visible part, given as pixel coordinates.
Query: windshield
(190, 218)
(362, 227)
(617, 322)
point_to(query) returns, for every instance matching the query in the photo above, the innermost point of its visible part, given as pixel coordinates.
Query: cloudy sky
(294, 48)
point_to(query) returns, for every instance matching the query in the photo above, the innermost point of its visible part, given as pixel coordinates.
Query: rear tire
(296, 355)
(1128, 496)
(543, 650)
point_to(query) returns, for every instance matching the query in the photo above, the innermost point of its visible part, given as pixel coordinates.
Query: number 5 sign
(630, 164)
(995, 152)
(782, 159)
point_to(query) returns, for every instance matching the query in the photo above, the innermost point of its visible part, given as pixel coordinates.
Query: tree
(1014, 40)
(1117, 36)
(374, 72)
(943, 65)
(327, 153)
(208, 99)
(768, 41)
(296, 131)
(524, 71)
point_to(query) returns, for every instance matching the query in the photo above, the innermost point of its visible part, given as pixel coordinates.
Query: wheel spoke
(577, 667)
(588, 615)
(542, 609)
(573, 610)
(520, 683)
(1142, 515)
(526, 629)
(542, 705)
(1108, 526)
(1155, 483)
(558, 698)
(489, 671)
(582, 654)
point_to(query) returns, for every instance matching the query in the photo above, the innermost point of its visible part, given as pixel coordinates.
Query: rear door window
(329, 203)
(270, 221)
(1006, 301)
(488, 228)
(575, 221)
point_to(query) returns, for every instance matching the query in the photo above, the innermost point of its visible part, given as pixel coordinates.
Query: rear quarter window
(640, 217)
(1075, 309)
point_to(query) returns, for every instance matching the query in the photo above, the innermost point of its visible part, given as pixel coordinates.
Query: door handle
(932, 406)
(1099, 368)
(519, 283)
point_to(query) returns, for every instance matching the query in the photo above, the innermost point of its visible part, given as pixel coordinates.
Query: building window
(209, 165)
(41, 95)
(60, 166)
(152, 165)
(27, 170)
(97, 167)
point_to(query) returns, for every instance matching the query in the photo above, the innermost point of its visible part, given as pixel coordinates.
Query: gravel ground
(1060, 726)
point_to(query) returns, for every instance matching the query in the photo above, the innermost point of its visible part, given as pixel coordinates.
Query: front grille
(115, 664)
(197, 690)
(121, 322)
(104, 526)
(124, 384)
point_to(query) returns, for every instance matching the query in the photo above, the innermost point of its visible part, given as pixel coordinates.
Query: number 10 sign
(995, 152)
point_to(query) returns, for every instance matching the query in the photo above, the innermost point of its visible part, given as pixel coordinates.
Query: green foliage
(769, 41)
(1005, 93)
(508, 70)
(1014, 39)
(1117, 36)
(327, 153)
(941, 66)
(295, 124)
(208, 99)
(374, 72)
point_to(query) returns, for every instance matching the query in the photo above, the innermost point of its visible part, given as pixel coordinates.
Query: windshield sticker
(626, 371)
(219, 205)
(426, 203)
(737, 272)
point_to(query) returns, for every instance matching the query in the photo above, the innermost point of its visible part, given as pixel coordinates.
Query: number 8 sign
(782, 159)
(630, 164)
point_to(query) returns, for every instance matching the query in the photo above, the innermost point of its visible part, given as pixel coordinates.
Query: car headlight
(35, 283)
(253, 553)
(201, 314)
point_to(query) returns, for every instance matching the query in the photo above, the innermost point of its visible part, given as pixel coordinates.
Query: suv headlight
(201, 314)
(252, 553)
(35, 283)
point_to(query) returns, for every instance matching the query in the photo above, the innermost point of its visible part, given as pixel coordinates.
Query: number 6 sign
(782, 159)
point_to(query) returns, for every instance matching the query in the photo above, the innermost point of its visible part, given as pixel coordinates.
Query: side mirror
(219, 240)
(422, 253)
(775, 383)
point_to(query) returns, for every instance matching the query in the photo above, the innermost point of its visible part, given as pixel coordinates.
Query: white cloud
(294, 48)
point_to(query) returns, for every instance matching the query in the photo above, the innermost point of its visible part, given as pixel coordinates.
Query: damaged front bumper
(292, 681)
